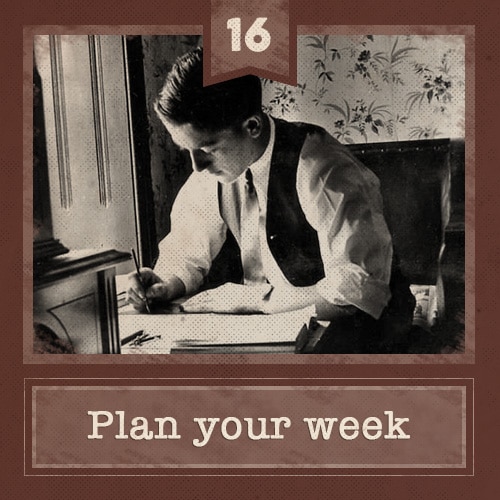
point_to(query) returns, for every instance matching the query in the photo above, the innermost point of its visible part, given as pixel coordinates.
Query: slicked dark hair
(183, 99)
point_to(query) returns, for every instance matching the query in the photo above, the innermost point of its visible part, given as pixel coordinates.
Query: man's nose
(199, 161)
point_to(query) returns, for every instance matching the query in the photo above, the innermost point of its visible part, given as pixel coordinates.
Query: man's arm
(187, 252)
(341, 200)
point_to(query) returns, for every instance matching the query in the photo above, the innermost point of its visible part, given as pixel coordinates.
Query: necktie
(250, 243)
(249, 185)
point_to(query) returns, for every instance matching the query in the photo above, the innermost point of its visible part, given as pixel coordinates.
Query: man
(307, 216)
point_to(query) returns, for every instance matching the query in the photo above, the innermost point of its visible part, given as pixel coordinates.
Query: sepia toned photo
(249, 216)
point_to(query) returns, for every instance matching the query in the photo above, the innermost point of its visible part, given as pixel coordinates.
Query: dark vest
(291, 239)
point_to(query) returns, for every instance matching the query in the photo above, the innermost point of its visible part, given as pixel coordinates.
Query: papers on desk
(186, 331)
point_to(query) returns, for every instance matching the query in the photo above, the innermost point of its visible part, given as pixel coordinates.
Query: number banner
(250, 38)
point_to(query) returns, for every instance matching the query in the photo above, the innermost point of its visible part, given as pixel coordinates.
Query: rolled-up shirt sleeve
(197, 235)
(341, 200)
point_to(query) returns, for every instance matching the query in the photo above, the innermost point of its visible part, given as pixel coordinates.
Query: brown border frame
(484, 485)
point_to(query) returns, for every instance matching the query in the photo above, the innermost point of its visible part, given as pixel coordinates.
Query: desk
(213, 333)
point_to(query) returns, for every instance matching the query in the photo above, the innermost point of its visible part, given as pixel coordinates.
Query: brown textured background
(438, 442)
(485, 288)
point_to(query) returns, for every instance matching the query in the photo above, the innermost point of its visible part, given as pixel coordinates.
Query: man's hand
(230, 298)
(155, 288)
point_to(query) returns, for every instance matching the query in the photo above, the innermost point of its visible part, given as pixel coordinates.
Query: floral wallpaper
(376, 88)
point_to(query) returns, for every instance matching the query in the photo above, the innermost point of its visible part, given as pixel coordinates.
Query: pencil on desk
(128, 339)
(139, 277)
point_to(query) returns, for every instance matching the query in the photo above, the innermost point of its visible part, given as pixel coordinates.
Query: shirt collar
(260, 168)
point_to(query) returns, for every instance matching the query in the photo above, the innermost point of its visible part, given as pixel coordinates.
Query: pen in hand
(139, 277)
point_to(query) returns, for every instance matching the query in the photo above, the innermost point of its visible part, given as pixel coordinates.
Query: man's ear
(253, 126)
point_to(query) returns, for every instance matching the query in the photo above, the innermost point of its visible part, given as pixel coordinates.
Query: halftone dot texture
(202, 330)
(241, 413)
(118, 192)
(374, 88)
(87, 140)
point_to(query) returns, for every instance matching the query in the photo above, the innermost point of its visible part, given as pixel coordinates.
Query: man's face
(224, 154)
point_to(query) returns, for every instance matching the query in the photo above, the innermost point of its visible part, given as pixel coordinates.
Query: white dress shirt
(341, 202)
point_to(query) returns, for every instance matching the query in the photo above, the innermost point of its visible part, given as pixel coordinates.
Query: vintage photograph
(248, 216)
